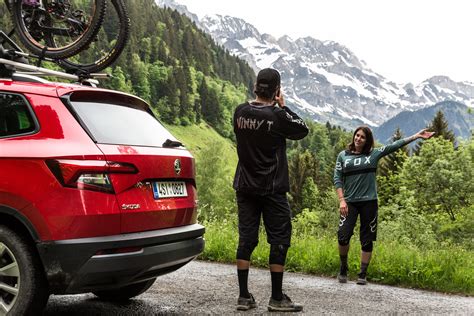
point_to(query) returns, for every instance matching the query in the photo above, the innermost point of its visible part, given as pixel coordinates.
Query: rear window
(118, 124)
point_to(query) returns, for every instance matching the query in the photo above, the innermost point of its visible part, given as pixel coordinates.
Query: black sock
(277, 283)
(344, 268)
(363, 269)
(243, 276)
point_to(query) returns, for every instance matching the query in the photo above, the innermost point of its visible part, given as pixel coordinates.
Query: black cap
(268, 78)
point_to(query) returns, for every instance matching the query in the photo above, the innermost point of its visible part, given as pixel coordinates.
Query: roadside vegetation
(426, 215)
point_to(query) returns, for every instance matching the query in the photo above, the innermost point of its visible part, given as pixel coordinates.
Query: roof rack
(13, 59)
(39, 71)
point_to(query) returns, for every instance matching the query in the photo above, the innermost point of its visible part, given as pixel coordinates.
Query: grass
(444, 270)
(197, 137)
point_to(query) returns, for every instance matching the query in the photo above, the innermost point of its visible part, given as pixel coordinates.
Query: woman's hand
(423, 134)
(343, 209)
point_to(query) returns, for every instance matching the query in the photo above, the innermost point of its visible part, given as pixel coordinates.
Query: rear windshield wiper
(172, 143)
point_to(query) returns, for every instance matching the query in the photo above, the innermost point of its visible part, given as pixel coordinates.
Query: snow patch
(339, 80)
(251, 42)
(315, 109)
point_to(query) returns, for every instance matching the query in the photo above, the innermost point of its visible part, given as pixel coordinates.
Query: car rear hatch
(152, 173)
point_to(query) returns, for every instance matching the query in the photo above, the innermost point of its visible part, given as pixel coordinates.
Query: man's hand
(279, 99)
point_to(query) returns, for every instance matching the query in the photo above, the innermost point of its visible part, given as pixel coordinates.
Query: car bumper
(88, 264)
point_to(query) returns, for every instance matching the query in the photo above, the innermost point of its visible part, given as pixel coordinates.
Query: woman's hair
(369, 140)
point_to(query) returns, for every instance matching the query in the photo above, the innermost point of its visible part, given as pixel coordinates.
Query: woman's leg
(368, 234)
(344, 234)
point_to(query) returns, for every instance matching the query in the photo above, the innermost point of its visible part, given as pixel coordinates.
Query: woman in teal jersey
(354, 179)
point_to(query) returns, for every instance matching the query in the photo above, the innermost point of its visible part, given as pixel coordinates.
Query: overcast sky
(403, 40)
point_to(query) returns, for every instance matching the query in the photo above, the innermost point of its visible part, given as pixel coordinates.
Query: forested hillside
(179, 69)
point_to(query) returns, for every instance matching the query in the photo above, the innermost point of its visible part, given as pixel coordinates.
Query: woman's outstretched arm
(386, 150)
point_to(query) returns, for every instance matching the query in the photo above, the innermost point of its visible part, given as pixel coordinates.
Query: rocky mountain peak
(326, 81)
(230, 27)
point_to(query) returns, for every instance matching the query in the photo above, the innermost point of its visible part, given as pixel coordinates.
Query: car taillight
(95, 181)
(88, 174)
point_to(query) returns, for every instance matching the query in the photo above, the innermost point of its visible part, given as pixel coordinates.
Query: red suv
(95, 195)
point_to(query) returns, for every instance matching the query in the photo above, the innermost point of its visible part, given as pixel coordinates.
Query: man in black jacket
(261, 183)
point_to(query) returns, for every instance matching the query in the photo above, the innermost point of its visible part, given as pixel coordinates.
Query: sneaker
(285, 305)
(342, 278)
(362, 280)
(244, 303)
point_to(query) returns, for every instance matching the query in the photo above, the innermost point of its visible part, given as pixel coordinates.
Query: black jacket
(261, 132)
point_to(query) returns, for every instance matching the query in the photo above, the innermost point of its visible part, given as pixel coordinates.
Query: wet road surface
(211, 288)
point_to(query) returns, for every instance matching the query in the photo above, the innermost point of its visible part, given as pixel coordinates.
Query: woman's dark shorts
(368, 221)
(276, 213)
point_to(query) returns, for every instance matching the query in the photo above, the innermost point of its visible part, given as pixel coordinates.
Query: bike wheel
(107, 46)
(57, 28)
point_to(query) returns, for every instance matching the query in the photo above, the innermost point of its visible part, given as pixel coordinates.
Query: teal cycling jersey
(355, 173)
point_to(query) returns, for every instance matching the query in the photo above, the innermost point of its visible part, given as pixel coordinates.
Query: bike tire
(114, 51)
(54, 51)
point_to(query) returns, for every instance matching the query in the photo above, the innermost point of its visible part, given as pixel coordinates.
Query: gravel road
(211, 288)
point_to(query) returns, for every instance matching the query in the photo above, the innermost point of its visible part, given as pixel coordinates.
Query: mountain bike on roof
(60, 30)
(108, 45)
(56, 28)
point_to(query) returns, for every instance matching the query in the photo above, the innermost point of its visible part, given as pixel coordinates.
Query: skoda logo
(177, 166)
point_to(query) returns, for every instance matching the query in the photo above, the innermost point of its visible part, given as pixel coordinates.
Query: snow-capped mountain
(323, 79)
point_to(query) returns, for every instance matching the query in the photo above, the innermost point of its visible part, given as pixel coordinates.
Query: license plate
(169, 189)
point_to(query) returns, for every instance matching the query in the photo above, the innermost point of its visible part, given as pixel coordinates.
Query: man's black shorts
(276, 217)
(368, 221)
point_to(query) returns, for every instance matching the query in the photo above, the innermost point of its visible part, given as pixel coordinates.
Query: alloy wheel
(9, 279)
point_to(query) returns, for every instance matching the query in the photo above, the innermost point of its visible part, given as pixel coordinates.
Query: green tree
(440, 126)
(392, 163)
(157, 77)
(145, 49)
(182, 85)
(216, 195)
(119, 81)
(139, 77)
(172, 94)
(324, 153)
(302, 165)
(402, 221)
(320, 145)
(310, 196)
(388, 170)
(441, 177)
(210, 106)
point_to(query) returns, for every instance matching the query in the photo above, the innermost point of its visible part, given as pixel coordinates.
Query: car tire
(23, 285)
(126, 292)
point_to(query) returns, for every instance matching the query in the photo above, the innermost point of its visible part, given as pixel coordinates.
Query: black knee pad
(278, 254)
(343, 238)
(367, 246)
(245, 249)
(343, 242)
